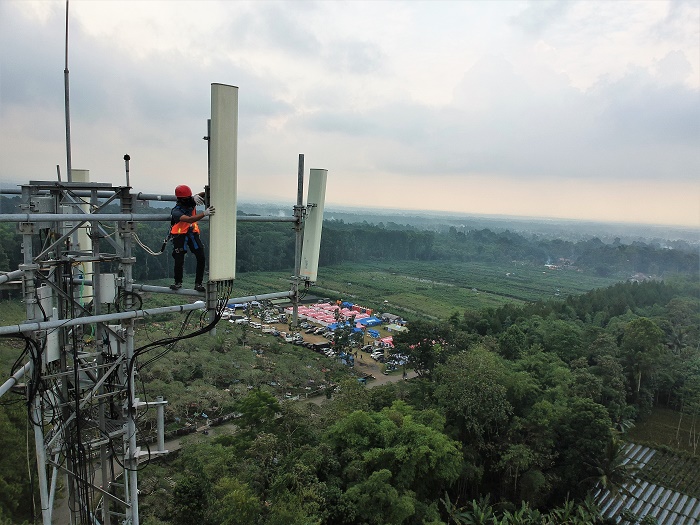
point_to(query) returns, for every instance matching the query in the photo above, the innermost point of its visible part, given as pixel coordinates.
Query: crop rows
(674, 471)
(438, 289)
(665, 488)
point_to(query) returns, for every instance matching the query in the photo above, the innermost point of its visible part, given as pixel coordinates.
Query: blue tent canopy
(333, 327)
(236, 305)
(370, 321)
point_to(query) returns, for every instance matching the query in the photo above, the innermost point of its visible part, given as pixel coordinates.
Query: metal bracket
(126, 226)
(25, 228)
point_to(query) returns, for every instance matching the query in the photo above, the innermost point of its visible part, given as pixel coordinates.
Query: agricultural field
(433, 289)
(666, 427)
(675, 471)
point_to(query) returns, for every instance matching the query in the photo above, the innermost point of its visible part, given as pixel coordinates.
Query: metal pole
(32, 311)
(46, 509)
(126, 162)
(103, 318)
(132, 217)
(54, 479)
(66, 91)
(10, 276)
(128, 260)
(7, 385)
(102, 407)
(298, 216)
(132, 459)
(160, 422)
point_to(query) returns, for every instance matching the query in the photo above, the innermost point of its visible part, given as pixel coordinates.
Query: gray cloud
(681, 21)
(354, 57)
(282, 26)
(31, 60)
(639, 112)
(499, 123)
(643, 124)
(538, 16)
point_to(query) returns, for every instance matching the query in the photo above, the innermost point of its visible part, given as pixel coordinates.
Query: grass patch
(435, 289)
(13, 312)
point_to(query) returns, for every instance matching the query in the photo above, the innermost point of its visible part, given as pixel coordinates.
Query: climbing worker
(185, 233)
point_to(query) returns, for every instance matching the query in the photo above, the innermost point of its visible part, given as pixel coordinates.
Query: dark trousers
(181, 243)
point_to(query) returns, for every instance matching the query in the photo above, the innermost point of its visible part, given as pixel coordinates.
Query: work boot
(200, 288)
(176, 286)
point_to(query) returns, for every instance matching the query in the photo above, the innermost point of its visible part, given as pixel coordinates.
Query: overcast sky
(586, 110)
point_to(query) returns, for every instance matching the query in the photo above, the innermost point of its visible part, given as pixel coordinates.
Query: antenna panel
(115, 341)
(107, 288)
(43, 204)
(223, 155)
(45, 295)
(315, 200)
(51, 351)
(84, 241)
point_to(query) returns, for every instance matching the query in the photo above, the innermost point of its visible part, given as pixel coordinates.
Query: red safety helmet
(183, 191)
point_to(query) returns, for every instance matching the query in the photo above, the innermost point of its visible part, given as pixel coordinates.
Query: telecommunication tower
(80, 364)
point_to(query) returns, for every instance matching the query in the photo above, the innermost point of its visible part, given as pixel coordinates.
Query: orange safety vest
(183, 227)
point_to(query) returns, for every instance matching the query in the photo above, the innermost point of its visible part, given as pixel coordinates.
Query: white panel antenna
(313, 224)
(108, 288)
(84, 241)
(51, 351)
(223, 157)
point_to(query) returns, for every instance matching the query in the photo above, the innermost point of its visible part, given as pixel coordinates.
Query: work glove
(209, 211)
(198, 199)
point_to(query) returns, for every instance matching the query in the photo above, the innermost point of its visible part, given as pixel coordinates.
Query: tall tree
(471, 389)
(426, 344)
(642, 350)
(15, 487)
(512, 343)
(584, 432)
